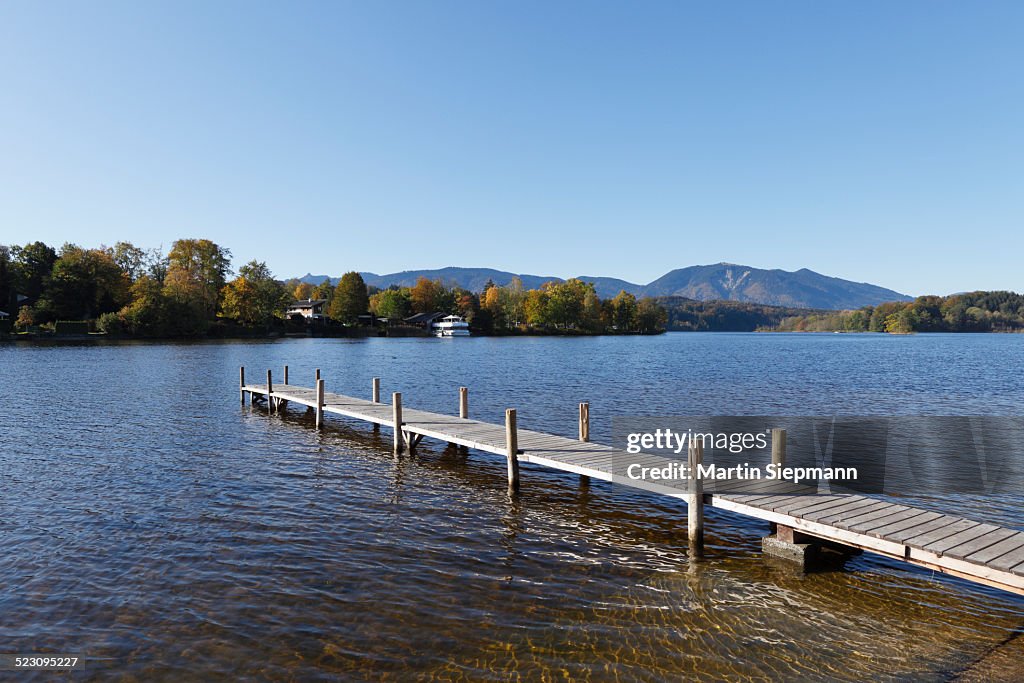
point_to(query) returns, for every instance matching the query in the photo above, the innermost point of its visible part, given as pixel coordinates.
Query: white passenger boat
(451, 326)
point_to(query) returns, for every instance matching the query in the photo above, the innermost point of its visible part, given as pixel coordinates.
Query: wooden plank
(855, 507)
(955, 526)
(996, 551)
(911, 523)
(908, 515)
(938, 524)
(981, 543)
(940, 546)
(851, 522)
(822, 503)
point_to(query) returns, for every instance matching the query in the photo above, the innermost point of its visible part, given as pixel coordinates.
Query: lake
(157, 529)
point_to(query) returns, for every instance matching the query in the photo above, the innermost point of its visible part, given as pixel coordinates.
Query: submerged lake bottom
(160, 531)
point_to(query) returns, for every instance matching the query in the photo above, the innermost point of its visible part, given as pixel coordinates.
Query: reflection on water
(157, 529)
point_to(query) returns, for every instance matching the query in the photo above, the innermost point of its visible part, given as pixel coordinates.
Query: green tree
(196, 274)
(6, 280)
(84, 283)
(132, 261)
(350, 298)
(650, 317)
(32, 265)
(391, 303)
(624, 311)
(149, 313)
(324, 291)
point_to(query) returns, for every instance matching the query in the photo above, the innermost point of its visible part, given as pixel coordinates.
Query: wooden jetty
(982, 553)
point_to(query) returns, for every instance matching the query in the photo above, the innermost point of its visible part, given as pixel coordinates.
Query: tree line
(969, 312)
(189, 292)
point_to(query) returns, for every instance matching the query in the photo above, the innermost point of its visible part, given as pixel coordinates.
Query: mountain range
(722, 281)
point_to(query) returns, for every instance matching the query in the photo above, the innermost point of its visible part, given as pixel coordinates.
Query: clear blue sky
(875, 141)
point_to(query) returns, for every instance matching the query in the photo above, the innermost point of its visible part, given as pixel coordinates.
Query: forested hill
(969, 312)
(690, 315)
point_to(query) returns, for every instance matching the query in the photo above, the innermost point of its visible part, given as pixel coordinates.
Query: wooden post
(319, 402)
(464, 403)
(584, 428)
(286, 374)
(778, 459)
(512, 446)
(375, 397)
(317, 373)
(270, 393)
(396, 413)
(584, 421)
(241, 383)
(695, 499)
(778, 447)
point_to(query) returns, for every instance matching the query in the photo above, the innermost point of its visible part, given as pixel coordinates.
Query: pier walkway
(982, 553)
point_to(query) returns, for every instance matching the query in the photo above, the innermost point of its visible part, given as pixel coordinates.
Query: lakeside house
(310, 309)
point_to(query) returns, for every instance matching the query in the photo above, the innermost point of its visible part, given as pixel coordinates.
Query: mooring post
(778, 459)
(778, 447)
(317, 373)
(512, 445)
(375, 396)
(241, 383)
(695, 499)
(584, 421)
(319, 402)
(396, 414)
(270, 393)
(584, 428)
(286, 374)
(464, 403)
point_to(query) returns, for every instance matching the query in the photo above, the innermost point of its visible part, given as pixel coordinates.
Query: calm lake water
(152, 526)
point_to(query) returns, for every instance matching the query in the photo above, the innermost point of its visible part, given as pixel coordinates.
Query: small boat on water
(450, 326)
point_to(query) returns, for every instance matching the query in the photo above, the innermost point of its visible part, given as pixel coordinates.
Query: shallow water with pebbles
(160, 531)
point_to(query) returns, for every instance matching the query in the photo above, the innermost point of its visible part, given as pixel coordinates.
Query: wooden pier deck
(982, 553)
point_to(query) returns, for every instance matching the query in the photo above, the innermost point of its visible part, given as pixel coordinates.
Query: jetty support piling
(375, 397)
(396, 421)
(584, 432)
(464, 403)
(512, 448)
(695, 499)
(319, 402)
(241, 383)
(270, 393)
(778, 456)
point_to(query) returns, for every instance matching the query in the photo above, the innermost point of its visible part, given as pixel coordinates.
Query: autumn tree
(427, 295)
(303, 290)
(624, 311)
(350, 298)
(196, 274)
(254, 297)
